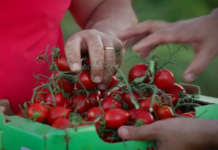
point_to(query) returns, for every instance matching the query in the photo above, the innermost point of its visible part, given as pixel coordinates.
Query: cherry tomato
(94, 113)
(164, 112)
(189, 114)
(66, 85)
(59, 100)
(40, 96)
(80, 103)
(62, 64)
(57, 112)
(61, 123)
(145, 104)
(145, 117)
(110, 103)
(116, 117)
(133, 113)
(137, 71)
(37, 112)
(127, 98)
(174, 92)
(85, 79)
(113, 82)
(93, 99)
(178, 111)
(164, 79)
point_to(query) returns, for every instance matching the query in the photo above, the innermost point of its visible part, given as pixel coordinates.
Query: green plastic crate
(21, 134)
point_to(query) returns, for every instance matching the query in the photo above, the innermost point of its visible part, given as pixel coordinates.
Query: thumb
(146, 132)
(199, 64)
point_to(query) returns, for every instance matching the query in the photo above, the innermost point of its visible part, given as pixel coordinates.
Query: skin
(176, 134)
(100, 20)
(201, 33)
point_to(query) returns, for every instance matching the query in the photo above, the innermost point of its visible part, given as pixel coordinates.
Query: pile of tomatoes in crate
(70, 100)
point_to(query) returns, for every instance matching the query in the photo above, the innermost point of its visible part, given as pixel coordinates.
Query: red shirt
(27, 27)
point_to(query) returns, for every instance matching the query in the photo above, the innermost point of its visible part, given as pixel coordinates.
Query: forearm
(212, 134)
(112, 16)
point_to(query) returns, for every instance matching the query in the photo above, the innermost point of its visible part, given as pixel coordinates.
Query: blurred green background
(170, 10)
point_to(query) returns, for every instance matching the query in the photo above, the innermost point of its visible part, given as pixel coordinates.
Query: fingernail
(75, 67)
(97, 79)
(102, 86)
(123, 132)
(189, 77)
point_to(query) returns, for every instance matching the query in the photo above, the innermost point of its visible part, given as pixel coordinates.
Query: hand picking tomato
(59, 100)
(62, 64)
(145, 117)
(116, 117)
(94, 113)
(80, 103)
(127, 98)
(85, 79)
(164, 79)
(57, 112)
(145, 104)
(37, 112)
(93, 99)
(137, 71)
(113, 82)
(164, 112)
(66, 85)
(110, 103)
(61, 123)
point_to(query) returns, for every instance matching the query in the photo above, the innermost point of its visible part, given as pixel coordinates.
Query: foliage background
(169, 10)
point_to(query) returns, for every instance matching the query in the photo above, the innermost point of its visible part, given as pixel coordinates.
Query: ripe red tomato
(57, 112)
(62, 64)
(116, 117)
(94, 113)
(66, 85)
(85, 79)
(61, 123)
(145, 117)
(164, 112)
(174, 92)
(37, 112)
(113, 82)
(133, 113)
(127, 98)
(80, 103)
(93, 99)
(110, 103)
(60, 100)
(145, 104)
(137, 71)
(189, 114)
(164, 79)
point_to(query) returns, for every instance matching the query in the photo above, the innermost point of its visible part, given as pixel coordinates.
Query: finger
(199, 64)
(96, 54)
(109, 62)
(73, 53)
(146, 132)
(146, 45)
(141, 29)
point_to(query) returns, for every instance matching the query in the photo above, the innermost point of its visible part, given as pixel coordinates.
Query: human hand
(176, 134)
(200, 32)
(5, 107)
(102, 58)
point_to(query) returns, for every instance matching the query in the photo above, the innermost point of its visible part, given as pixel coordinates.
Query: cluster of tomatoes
(70, 100)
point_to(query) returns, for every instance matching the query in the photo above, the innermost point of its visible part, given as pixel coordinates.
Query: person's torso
(27, 28)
